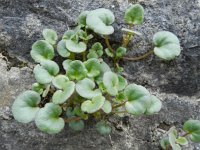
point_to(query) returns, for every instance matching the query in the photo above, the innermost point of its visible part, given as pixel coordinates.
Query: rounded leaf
(61, 96)
(42, 50)
(25, 106)
(91, 106)
(45, 72)
(50, 36)
(66, 63)
(134, 14)
(107, 107)
(182, 141)
(121, 51)
(85, 88)
(193, 128)
(59, 81)
(93, 67)
(92, 54)
(167, 45)
(76, 125)
(172, 139)
(75, 47)
(165, 143)
(103, 128)
(100, 21)
(62, 50)
(82, 18)
(109, 53)
(37, 87)
(76, 70)
(48, 120)
(122, 83)
(138, 99)
(155, 105)
(68, 34)
(111, 82)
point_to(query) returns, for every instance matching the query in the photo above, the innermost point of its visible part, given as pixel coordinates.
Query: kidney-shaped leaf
(103, 128)
(100, 21)
(59, 81)
(42, 50)
(50, 36)
(62, 50)
(76, 70)
(93, 67)
(75, 47)
(25, 106)
(82, 18)
(111, 82)
(134, 14)
(91, 106)
(138, 99)
(45, 72)
(61, 96)
(76, 125)
(193, 128)
(167, 45)
(107, 107)
(85, 88)
(48, 120)
(154, 107)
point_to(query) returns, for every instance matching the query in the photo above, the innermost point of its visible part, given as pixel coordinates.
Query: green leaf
(182, 141)
(193, 128)
(121, 97)
(120, 52)
(167, 45)
(82, 18)
(76, 125)
(111, 83)
(68, 34)
(92, 54)
(83, 35)
(154, 107)
(98, 48)
(100, 21)
(85, 88)
(45, 72)
(165, 143)
(66, 64)
(25, 106)
(172, 139)
(103, 128)
(104, 68)
(62, 50)
(46, 91)
(91, 106)
(109, 53)
(59, 81)
(75, 47)
(122, 83)
(50, 36)
(42, 50)
(76, 70)
(93, 67)
(107, 107)
(48, 120)
(77, 111)
(37, 87)
(134, 15)
(138, 99)
(61, 96)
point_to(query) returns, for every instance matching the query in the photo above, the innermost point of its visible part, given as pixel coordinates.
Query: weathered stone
(176, 83)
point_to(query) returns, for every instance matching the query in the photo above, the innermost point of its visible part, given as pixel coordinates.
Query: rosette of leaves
(75, 70)
(96, 51)
(65, 89)
(85, 88)
(25, 107)
(100, 20)
(113, 83)
(167, 45)
(46, 71)
(134, 15)
(48, 120)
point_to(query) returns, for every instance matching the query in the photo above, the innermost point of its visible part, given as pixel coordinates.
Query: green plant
(88, 87)
(174, 140)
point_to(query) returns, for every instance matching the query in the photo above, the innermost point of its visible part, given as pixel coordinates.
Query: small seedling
(89, 87)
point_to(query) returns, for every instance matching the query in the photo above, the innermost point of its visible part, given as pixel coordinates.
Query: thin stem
(127, 38)
(72, 119)
(72, 56)
(119, 105)
(184, 135)
(84, 56)
(108, 43)
(140, 57)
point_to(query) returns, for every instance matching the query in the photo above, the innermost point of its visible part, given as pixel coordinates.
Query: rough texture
(176, 83)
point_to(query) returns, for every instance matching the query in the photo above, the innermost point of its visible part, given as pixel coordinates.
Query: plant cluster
(88, 87)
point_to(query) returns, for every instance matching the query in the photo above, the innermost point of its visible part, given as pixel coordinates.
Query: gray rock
(176, 83)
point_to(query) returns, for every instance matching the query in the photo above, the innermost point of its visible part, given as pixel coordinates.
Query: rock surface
(176, 83)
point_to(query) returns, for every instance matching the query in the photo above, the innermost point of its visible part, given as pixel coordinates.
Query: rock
(176, 83)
